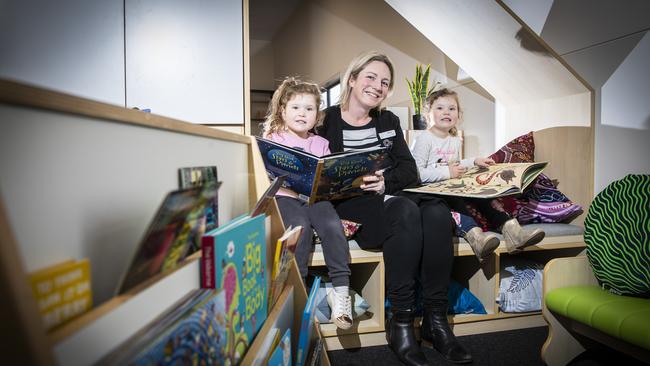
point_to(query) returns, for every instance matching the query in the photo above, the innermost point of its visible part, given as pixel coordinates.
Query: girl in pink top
(293, 114)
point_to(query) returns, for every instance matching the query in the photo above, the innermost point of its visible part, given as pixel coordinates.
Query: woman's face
(370, 87)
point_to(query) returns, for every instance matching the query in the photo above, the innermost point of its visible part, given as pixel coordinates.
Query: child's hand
(374, 183)
(456, 170)
(483, 162)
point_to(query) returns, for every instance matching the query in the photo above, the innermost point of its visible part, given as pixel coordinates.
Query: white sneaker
(341, 309)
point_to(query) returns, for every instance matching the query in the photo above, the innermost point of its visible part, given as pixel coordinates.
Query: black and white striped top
(362, 137)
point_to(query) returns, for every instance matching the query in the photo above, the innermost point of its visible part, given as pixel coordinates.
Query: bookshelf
(81, 179)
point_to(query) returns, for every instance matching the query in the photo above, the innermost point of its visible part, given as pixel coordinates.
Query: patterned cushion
(542, 202)
(519, 150)
(617, 233)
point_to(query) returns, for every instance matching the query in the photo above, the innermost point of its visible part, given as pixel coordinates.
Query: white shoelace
(343, 305)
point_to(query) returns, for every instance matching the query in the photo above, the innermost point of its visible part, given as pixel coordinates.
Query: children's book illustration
(200, 175)
(174, 233)
(329, 177)
(494, 181)
(234, 261)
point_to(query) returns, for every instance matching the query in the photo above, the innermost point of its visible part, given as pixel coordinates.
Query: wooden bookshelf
(82, 179)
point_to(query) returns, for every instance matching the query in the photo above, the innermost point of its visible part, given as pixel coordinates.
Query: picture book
(194, 329)
(234, 260)
(329, 177)
(173, 234)
(281, 355)
(494, 181)
(263, 203)
(285, 249)
(200, 175)
(307, 325)
(270, 341)
(62, 291)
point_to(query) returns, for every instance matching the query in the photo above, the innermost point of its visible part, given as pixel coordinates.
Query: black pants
(417, 246)
(322, 217)
(495, 217)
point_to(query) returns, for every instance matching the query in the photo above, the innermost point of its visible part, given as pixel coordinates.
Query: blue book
(324, 178)
(234, 260)
(307, 325)
(193, 330)
(281, 355)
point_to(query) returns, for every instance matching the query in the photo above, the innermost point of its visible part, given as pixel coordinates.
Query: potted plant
(419, 89)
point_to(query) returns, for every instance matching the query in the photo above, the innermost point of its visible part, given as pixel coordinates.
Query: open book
(494, 181)
(329, 177)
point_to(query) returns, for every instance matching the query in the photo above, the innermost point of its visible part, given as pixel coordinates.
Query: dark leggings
(495, 217)
(322, 217)
(418, 248)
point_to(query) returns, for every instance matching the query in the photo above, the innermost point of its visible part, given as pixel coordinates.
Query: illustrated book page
(494, 181)
(329, 177)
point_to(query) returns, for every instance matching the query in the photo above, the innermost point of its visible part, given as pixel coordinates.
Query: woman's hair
(431, 98)
(290, 87)
(355, 67)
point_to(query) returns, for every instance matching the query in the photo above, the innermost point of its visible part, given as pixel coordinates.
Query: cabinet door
(184, 59)
(72, 46)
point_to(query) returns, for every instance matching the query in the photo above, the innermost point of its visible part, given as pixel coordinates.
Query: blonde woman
(391, 219)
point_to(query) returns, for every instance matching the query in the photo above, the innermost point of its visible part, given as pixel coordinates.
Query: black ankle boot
(400, 334)
(436, 330)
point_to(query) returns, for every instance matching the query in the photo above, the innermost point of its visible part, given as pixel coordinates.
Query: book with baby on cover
(494, 181)
(324, 178)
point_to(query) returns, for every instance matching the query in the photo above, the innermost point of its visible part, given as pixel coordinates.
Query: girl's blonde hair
(290, 87)
(431, 98)
(355, 67)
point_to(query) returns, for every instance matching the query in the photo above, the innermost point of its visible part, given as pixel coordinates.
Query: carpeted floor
(516, 347)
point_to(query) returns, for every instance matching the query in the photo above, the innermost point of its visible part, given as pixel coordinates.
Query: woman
(414, 231)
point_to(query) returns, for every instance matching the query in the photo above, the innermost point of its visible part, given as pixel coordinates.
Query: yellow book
(62, 291)
(285, 249)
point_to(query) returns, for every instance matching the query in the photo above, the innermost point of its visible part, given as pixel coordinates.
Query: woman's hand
(483, 162)
(456, 170)
(374, 183)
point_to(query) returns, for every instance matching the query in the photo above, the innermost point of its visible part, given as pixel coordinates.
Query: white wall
(607, 43)
(74, 46)
(182, 59)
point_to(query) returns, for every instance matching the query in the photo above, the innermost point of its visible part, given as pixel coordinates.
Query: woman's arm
(404, 173)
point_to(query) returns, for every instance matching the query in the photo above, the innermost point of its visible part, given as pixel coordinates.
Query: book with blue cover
(234, 261)
(193, 329)
(307, 324)
(324, 178)
(281, 355)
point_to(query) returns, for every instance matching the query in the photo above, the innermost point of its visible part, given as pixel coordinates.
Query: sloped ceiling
(532, 88)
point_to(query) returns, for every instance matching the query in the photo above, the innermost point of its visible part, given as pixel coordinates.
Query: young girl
(437, 157)
(293, 114)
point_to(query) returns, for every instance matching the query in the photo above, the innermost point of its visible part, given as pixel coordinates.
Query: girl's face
(370, 87)
(444, 113)
(299, 115)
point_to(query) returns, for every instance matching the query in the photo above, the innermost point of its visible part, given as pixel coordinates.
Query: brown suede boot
(517, 238)
(482, 244)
